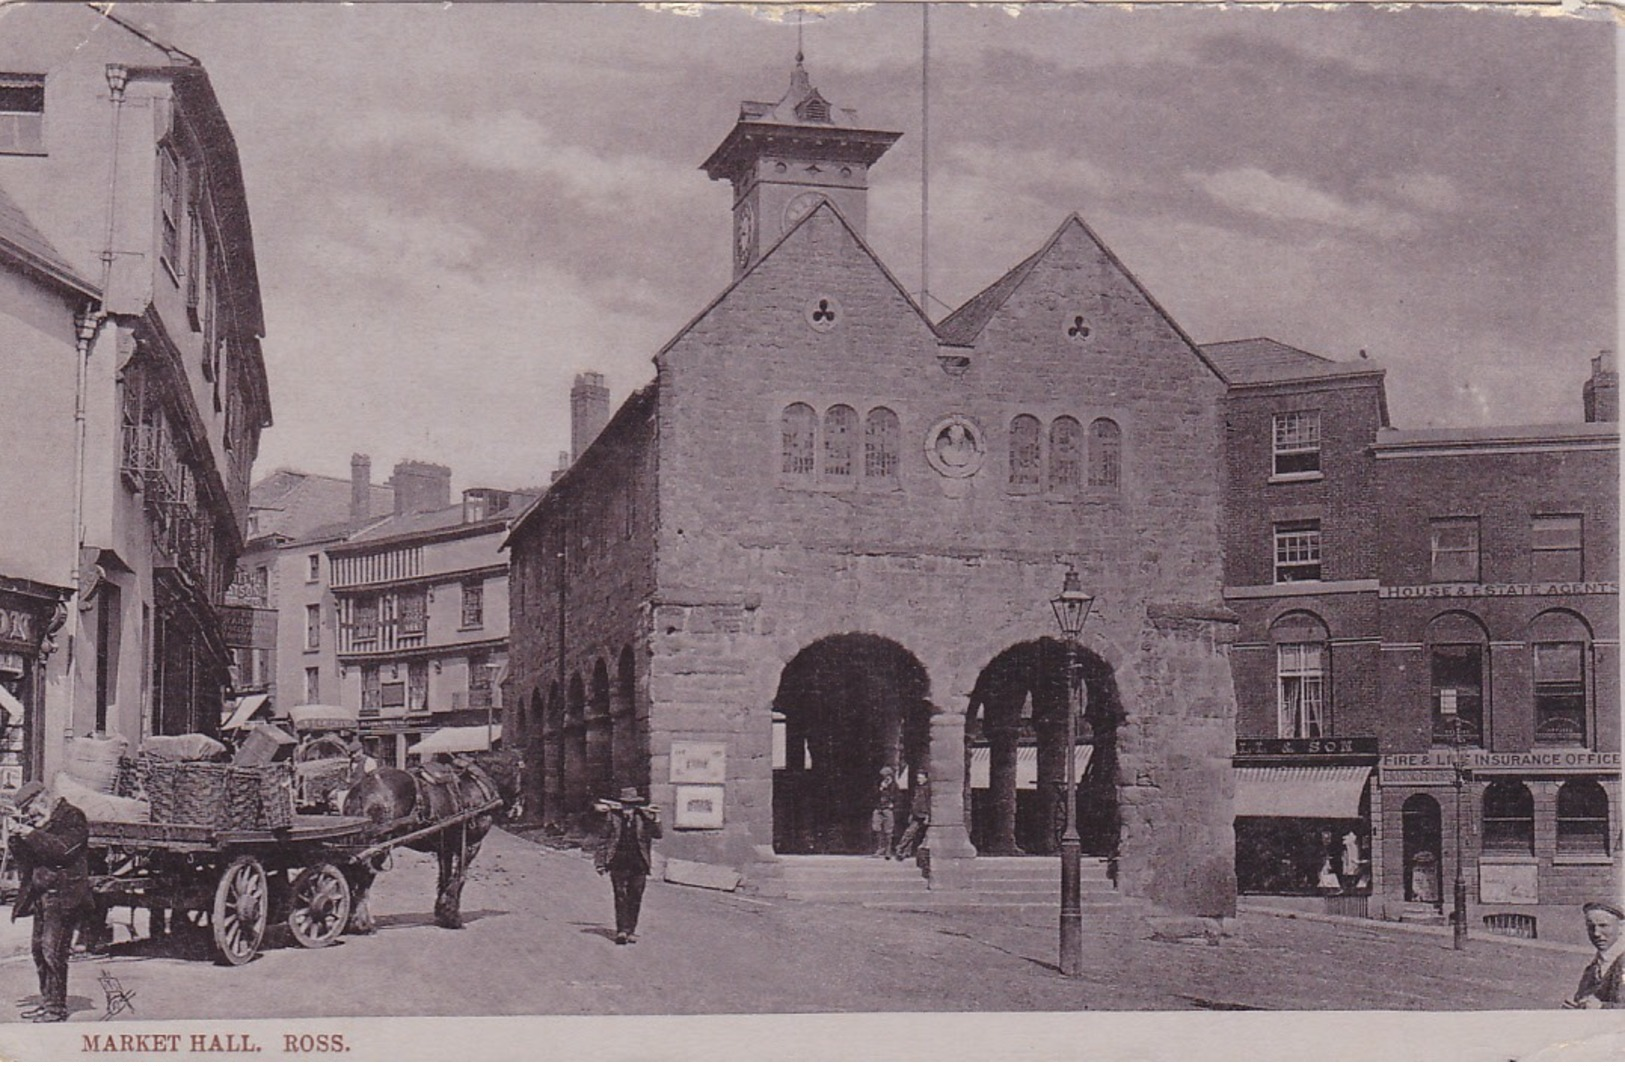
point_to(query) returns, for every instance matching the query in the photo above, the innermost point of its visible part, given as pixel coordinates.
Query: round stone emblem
(955, 447)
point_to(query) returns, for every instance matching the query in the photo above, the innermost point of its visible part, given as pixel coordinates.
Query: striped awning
(1299, 791)
(981, 766)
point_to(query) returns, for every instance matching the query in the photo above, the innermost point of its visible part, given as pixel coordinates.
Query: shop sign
(1391, 778)
(1535, 761)
(17, 627)
(695, 762)
(1536, 588)
(1508, 883)
(1314, 746)
(237, 625)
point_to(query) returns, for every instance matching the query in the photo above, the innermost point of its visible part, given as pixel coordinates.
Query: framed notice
(699, 762)
(1508, 883)
(698, 807)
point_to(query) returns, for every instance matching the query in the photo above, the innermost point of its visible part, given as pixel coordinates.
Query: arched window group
(839, 448)
(1064, 459)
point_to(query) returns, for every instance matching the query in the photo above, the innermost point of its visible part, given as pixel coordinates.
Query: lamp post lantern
(1072, 608)
(1458, 907)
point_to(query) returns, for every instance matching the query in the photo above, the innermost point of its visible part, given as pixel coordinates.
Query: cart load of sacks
(191, 779)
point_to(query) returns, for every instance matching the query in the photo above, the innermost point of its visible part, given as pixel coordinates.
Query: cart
(242, 880)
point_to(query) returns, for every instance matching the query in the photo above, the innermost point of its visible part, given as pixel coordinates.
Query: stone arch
(575, 772)
(1015, 736)
(846, 706)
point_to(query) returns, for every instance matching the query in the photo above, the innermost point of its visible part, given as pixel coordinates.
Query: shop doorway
(846, 706)
(1421, 828)
(1015, 736)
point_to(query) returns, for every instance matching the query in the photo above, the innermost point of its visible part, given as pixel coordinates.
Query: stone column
(1051, 780)
(947, 841)
(1002, 787)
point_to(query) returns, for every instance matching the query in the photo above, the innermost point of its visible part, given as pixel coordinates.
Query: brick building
(824, 540)
(1409, 599)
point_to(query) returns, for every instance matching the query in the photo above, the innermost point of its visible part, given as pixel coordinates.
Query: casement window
(170, 192)
(1066, 454)
(1453, 548)
(371, 685)
(313, 627)
(1105, 454)
(417, 685)
(1026, 454)
(1582, 818)
(881, 437)
(799, 431)
(1509, 819)
(364, 619)
(1296, 445)
(473, 604)
(414, 612)
(1458, 651)
(840, 442)
(196, 270)
(1554, 547)
(1297, 551)
(313, 568)
(22, 114)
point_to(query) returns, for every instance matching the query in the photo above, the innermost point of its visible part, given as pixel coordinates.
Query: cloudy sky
(456, 208)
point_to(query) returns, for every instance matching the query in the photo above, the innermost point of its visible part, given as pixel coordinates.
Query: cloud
(1256, 191)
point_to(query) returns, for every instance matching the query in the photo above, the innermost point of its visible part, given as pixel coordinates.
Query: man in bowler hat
(1600, 982)
(50, 845)
(631, 823)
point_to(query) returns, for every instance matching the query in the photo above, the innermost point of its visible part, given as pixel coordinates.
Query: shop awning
(245, 710)
(316, 717)
(457, 738)
(981, 766)
(1299, 791)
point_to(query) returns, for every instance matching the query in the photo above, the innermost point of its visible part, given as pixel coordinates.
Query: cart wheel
(241, 907)
(320, 905)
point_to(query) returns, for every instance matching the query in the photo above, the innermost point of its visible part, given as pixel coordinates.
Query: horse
(401, 803)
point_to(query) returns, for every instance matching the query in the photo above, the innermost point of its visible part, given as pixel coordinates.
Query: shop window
(881, 437)
(799, 430)
(1453, 544)
(1297, 443)
(1105, 454)
(1297, 551)
(1026, 454)
(1065, 455)
(1509, 819)
(1554, 547)
(1457, 652)
(22, 114)
(1301, 677)
(1559, 642)
(1582, 818)
(840, 441)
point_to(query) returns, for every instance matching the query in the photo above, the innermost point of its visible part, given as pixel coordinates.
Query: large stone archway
(1015, 764)
(846, 706)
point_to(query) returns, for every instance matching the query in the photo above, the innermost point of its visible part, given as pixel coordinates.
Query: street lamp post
(1458, 912)
(1071, 611)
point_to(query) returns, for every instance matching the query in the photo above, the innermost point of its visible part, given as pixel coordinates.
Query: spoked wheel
(319, 906)
(242, 904)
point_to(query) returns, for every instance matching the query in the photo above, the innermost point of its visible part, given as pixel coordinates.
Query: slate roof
(1489, 436)
(26, 244)
(444, 519)
(965, 325)
(295, 504)
(1262, 361)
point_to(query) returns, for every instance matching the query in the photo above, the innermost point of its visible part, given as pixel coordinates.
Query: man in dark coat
(1601, 982)
(624, 853)
(919, 816)
(54, 889)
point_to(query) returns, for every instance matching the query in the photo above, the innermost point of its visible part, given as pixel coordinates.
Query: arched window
(1509, 819)
(1458, 652)
(800, 429)
(1302, 669)
(1065, 455)
(1026, 454)
(880, 445)
(1582, 818)
(1105, 454)
(1559, 643)
(840, 441)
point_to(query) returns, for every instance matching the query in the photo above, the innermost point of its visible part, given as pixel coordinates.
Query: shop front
(29, 613)
(1303, 820)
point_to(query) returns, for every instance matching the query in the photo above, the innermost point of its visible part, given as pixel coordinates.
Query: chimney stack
(589, 411)
(360, 487)
(1601, 391)
(561, 467)
(420, 486)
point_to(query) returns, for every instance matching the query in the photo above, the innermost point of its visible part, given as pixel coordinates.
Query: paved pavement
(539, 941)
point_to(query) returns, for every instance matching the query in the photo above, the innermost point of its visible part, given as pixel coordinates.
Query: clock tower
(784, 159)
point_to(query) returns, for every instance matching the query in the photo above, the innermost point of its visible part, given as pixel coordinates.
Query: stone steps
(1018, 883)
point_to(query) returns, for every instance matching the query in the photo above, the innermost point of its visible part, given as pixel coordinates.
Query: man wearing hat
(50, 845)
(1600, 984)
(624, 852)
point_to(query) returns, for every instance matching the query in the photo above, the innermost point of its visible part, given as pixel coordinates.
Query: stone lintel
(1162, 614)
(692, 597)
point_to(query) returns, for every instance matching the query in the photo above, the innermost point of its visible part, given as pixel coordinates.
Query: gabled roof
(297, 504)
(446, 520)
(1261, 361)
(23, 243)
(173, 54)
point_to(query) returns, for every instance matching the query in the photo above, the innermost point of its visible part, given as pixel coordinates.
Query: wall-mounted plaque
(1508, 883)
(699, 762)
(698, 807)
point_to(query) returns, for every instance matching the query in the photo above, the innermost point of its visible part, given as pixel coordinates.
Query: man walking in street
(919, 816)
(883, 822)
(1601, 981)
(54, 887)
(624, 853)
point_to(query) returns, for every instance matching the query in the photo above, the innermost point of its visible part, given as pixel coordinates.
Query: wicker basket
(218, 795)
(275, 795)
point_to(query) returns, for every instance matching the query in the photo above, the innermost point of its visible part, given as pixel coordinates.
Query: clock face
(744, 235)
(800, 207)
